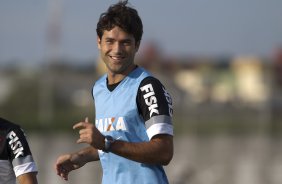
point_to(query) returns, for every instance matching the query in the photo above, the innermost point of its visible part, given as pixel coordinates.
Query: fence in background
(197, 160)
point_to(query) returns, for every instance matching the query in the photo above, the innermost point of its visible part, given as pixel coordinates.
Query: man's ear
(99, 42)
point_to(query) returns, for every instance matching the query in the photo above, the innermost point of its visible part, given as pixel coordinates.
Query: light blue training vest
(117, 115)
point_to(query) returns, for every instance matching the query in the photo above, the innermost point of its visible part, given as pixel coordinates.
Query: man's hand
(89, 134)
(69, 162)
(66, 163)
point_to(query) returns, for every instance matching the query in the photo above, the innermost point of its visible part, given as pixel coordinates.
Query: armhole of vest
(92, 91)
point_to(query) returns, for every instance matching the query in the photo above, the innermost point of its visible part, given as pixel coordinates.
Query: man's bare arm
(69, 162)
(27, 178)
(159, 150)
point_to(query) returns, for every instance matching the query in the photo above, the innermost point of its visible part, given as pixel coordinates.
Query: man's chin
(116, 70)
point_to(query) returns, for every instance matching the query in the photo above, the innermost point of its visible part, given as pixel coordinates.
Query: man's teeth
(115, 57)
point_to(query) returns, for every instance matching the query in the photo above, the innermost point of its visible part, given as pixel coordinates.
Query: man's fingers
(82, 139)
(62, 173)
(80, 125)
(64, 176)
(79, 141)
(84, 131)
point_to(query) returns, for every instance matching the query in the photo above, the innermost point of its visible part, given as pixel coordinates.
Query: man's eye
(126, 43)
(109, 41)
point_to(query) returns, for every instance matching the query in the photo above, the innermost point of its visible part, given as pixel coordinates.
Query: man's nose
(117, 47)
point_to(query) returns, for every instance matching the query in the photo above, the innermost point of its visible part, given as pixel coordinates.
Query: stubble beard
(120, 68)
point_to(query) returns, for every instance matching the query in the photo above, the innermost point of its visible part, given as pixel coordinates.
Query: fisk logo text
(150, 99)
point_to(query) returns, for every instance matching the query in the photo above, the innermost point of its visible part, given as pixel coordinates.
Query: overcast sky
(180, 27)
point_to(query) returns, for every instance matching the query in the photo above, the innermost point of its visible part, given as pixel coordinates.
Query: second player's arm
(85, 155)
(69, 162)
(159, 150)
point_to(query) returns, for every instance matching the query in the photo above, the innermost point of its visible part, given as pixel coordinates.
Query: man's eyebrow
(108, 38)
(127, 40)
(122, 40)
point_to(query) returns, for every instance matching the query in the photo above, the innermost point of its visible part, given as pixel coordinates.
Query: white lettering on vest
(150, 99)
(110, 124)
(15, 144)
(169, 101)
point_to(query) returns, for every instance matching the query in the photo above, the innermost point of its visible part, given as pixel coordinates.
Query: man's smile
(117, 58)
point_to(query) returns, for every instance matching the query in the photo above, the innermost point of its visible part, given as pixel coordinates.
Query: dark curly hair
(123, 16)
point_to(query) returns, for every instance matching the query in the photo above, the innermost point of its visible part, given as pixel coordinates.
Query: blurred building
(252, 87)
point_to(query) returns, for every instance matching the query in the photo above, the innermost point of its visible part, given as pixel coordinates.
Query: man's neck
(114, 78)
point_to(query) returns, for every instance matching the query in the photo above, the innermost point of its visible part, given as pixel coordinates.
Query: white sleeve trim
(25, 168)
(159, 128)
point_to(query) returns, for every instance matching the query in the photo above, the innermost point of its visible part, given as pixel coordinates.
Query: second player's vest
(117, 115)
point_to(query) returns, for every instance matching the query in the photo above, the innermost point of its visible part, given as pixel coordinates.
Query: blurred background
(220, 60)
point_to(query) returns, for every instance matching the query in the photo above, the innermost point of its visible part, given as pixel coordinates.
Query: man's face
(117, 50)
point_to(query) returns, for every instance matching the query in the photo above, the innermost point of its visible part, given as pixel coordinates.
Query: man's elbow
(167, 158)
(165, 152)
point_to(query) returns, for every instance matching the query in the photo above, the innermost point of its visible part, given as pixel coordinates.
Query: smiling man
(133, 133)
